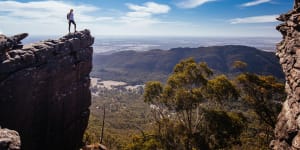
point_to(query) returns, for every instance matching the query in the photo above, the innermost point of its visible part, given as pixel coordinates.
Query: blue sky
(197, 18)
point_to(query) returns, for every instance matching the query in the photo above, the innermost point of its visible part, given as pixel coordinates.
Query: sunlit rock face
(287, 135)
(44, 88)
(9, 140)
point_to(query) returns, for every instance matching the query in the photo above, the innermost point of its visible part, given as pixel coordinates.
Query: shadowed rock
(14, 42)
(45, 92)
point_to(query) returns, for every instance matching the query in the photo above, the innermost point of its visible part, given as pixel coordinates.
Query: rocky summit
(44, 88)
(287, 131)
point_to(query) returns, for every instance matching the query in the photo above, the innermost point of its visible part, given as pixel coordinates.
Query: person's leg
(74, 25)
(69, 25)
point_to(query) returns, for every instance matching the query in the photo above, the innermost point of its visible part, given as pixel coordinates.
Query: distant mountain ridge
(157, 64)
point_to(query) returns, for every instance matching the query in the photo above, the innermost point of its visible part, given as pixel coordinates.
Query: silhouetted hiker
(70, 17)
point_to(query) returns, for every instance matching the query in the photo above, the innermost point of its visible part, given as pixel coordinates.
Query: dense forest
(193, 109)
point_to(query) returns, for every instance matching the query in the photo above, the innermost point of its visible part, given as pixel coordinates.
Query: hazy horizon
(107, 45)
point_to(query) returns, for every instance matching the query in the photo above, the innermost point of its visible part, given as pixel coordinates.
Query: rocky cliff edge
(44, 88)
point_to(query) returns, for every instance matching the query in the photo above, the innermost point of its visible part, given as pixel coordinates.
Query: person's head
(71, 10)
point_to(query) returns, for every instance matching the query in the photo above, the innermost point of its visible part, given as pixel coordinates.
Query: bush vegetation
(193, 110)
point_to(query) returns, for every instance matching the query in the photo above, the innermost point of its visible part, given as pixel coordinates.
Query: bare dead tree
(102, 129)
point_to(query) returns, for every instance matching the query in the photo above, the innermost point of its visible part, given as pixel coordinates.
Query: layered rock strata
(45, 92)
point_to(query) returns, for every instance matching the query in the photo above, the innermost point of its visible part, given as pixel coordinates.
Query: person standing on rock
(70, 17)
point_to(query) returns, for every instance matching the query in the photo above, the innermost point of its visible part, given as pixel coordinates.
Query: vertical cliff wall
(287, 132)
(44, 90)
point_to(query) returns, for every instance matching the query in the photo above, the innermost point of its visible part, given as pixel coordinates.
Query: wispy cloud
(45, 11)
(192, 3)
(46, 17)
(49, 18)
(150, 7)
(143, 14)
(146, 10)
(255, 19)
(255, 2)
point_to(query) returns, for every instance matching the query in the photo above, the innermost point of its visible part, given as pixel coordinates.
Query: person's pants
(73, 22)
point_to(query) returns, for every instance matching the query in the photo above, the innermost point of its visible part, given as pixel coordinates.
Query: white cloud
(49, 18)
(142, 15)
(45, 11)
(254, 3)
(192, 3)
(138, 14)
(46, 17)
(104, 18)
(150, 7)
(255, 19)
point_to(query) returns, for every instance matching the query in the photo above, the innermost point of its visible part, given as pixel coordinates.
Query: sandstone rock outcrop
(287, 131)
(9, 140)
(45, 92)
(8, 43)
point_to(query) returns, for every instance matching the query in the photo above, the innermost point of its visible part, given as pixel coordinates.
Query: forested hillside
(194, 109)
(132, 66)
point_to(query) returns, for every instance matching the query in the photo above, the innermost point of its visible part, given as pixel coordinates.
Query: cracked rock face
(45, 92)
(287, 135)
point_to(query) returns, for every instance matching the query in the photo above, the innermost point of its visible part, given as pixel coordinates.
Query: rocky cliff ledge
(45, 92)
(287, 132)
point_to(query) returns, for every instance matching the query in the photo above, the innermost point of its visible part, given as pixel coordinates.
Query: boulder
(9, 140)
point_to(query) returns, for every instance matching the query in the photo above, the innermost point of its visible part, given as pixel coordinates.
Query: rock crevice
(44, 88)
